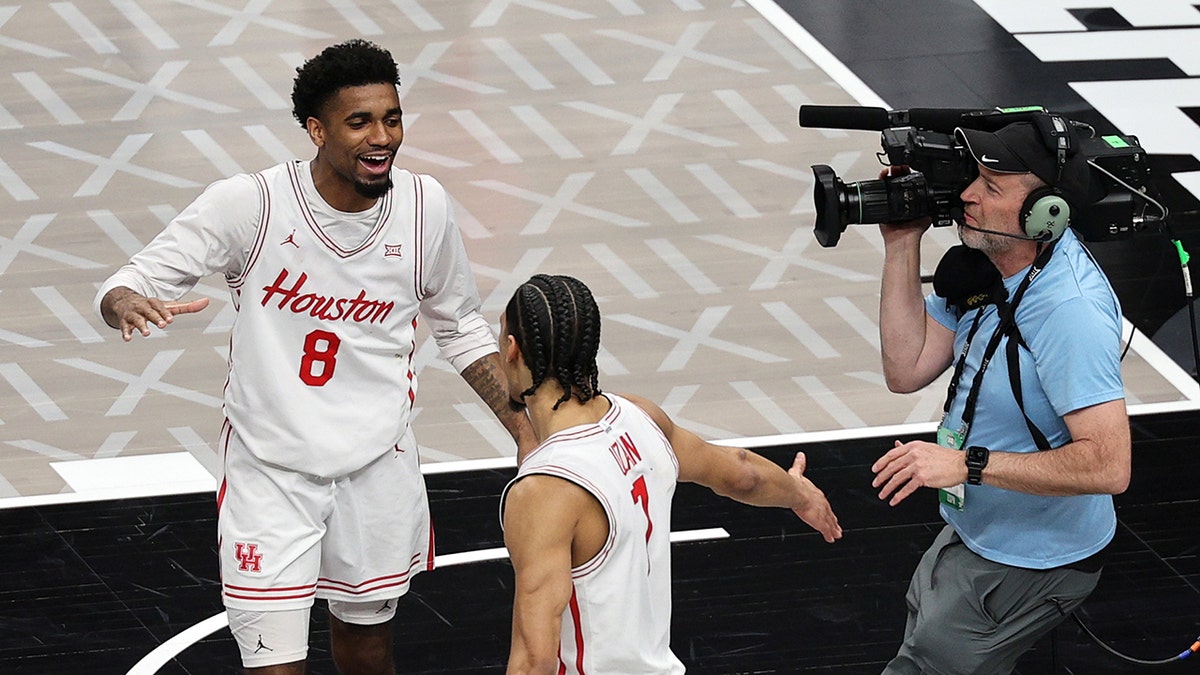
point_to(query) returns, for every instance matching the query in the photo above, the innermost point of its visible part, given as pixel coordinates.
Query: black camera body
(941, 168)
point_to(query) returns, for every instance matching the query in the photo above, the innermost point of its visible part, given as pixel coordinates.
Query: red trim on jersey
(578, 631)
(264, 218)
(274, 589)
(412, 392)
(370, 585)
(226, 432)
(429, 557)
(309, 591)
(419, 236)
(385, 211)
(281, 597)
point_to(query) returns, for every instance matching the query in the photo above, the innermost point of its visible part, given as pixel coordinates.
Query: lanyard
(1008, 313)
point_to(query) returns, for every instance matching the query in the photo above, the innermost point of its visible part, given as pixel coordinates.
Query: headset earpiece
(1045, 214)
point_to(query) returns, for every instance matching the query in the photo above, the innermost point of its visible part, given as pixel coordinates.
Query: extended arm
(484, 377)
(540, 513)
(915, 348)
(1096, 461)
(209, 236)
(745, 476)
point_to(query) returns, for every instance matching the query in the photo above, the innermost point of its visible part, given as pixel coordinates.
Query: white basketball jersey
(321, 376)
(619, 617)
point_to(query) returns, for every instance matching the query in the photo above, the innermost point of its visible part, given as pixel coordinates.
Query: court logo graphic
(392, 251)
(249, 559)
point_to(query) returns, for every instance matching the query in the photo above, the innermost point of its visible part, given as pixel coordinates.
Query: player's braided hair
(556, 323)
(353, 63)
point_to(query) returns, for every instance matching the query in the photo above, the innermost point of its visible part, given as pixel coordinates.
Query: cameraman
(1028, 506)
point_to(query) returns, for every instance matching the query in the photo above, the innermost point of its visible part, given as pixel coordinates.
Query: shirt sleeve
(211, 235)
(449, 297)
(935, 307)
(1078, 356)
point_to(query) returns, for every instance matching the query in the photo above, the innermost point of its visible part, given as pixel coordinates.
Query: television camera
(941, 168)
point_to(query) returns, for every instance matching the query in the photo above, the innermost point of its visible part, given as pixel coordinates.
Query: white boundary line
(503, 463)
(814, 50)
(1161, 363)
(156, 659)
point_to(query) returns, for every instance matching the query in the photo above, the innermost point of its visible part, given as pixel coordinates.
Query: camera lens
(840, 204)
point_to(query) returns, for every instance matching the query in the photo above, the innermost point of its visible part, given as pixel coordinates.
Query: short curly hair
(353, 63)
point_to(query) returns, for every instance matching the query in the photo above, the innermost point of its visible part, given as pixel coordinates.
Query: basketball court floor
(648, 147)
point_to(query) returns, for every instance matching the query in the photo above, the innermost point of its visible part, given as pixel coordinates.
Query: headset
(1045, 214)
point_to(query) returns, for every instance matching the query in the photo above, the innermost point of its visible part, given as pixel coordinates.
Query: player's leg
(270, 525)
(361, 636)
(379, 537)
(271, 643)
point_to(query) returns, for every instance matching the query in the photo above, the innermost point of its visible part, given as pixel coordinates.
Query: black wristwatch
(977, 458)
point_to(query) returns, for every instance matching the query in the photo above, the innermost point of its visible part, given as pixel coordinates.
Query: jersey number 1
(320, 357)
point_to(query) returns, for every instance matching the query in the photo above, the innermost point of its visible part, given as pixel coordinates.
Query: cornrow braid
(556, 323)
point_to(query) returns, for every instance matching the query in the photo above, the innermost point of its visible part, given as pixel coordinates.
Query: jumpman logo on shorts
(291, 239)
(261, 646)
(387, 604)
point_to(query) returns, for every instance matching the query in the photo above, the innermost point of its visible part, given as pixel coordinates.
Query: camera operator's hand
(908, 228)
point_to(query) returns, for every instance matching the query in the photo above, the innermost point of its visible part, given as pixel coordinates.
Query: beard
(983, 242)
(373, 190)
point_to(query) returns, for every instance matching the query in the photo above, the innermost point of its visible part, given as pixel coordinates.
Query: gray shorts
(967, 614)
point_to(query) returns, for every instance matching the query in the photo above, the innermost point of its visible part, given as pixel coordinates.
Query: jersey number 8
(320, 357)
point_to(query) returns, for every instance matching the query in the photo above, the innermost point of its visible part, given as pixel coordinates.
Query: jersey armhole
(592, 564)
(260, 233)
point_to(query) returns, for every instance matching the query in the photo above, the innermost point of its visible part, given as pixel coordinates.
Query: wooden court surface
(648, 148)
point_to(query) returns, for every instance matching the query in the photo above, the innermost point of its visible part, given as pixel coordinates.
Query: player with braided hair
(587, 519)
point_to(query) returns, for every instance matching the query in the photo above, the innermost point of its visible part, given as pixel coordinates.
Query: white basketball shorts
(286, 537)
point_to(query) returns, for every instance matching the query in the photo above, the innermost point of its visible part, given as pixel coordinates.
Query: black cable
(1133, 659)
(1132, 330)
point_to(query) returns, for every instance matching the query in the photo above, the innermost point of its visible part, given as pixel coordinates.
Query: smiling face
(357, 135)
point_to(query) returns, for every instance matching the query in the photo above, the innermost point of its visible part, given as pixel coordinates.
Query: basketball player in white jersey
(587, 519)
(330, 263)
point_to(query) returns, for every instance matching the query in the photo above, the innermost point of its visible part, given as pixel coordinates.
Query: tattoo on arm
(484, 378)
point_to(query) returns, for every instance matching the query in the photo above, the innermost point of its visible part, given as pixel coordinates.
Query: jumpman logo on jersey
(291, 239)
(261, 646)
(387, 604)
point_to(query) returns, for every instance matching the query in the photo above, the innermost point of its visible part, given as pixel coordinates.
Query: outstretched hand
(915, 464)
(816, 510)
(127, 311)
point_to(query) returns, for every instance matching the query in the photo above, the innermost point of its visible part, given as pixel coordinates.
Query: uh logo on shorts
(249, 559)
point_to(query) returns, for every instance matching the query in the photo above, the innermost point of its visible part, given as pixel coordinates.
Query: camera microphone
(844, 117)
(943, 120)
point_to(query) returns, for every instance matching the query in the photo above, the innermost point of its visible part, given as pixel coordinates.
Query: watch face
(977, 455)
